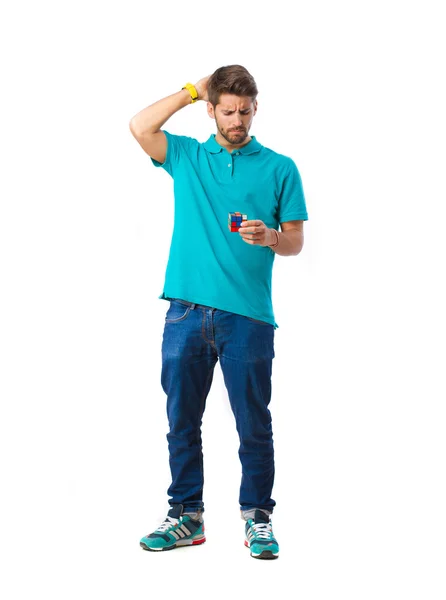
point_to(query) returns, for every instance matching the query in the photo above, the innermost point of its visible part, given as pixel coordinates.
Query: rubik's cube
(235, 219)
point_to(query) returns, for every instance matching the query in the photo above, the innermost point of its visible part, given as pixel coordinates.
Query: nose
(237, 121)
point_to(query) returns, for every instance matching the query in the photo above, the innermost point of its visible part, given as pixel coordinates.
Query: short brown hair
(233, 79)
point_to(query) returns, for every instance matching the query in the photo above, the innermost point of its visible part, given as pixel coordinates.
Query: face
(233, 116)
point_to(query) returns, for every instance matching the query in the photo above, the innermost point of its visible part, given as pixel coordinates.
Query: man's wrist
(192, 91)
(186, 94)
(275, 235)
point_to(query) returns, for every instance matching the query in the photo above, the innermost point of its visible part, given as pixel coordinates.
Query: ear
(210, 109)
(255, 106)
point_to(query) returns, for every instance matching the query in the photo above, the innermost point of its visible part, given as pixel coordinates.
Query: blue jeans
(195, 337)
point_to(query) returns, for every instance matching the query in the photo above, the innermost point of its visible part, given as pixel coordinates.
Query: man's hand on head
(202, 88)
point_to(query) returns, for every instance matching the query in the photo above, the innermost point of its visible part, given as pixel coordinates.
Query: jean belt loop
(192, 306)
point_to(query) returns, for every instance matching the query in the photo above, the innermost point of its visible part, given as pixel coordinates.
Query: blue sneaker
(177, 529)
(259, 536)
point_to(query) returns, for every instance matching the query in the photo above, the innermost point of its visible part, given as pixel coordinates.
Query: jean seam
(203, 399)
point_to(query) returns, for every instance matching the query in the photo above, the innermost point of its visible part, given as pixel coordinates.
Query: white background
(354, 93)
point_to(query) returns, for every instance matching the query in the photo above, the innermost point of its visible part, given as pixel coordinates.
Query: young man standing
(218, 283)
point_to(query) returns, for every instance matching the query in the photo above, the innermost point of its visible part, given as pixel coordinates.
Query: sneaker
(177, 530)
(259, 536)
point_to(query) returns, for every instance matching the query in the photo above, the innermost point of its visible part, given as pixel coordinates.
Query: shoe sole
(179, 544)
(266, 554)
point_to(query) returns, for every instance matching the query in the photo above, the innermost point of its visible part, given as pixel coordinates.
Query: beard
(233, 137)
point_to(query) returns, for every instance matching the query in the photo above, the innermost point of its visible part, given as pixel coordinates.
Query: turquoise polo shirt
(208, 264)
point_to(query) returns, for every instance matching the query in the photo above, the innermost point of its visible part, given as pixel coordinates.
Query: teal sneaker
(259, 536)
(176, 530)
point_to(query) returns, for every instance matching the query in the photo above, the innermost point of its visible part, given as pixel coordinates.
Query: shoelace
(263, 531)
(168, 523)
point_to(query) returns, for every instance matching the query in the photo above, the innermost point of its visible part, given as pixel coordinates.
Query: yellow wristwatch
(192, 91)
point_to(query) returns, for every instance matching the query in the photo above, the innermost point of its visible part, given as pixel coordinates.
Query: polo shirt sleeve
(292, 206)
(177, 146)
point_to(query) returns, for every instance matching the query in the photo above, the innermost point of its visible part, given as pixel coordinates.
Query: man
(218, 283)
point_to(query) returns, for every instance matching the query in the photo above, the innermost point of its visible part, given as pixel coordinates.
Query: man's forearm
(290, 243)
(152, 118)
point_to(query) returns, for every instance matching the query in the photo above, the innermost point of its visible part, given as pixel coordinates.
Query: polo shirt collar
(214, 147)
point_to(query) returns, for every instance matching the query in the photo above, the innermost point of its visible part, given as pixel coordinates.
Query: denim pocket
(177, 312)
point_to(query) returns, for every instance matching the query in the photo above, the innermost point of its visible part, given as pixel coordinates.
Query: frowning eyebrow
(228, 110)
